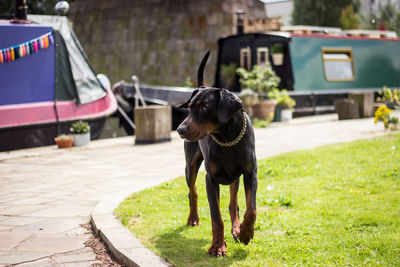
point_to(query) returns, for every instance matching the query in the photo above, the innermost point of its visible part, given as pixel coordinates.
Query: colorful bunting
(17, 51)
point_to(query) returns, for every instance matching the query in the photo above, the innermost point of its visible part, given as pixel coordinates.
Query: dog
(218, 131)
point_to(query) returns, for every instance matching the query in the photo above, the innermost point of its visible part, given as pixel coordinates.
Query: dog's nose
(182, 130)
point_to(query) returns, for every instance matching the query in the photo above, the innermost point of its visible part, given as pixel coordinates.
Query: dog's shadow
(176, 246)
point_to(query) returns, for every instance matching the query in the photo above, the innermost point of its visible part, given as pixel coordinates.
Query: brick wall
(160, 41)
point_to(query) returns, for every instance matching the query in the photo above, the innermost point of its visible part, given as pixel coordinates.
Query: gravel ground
(102, 253)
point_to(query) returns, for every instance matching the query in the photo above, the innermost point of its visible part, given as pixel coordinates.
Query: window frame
(242, 51)
(259, 51)
(343, 50)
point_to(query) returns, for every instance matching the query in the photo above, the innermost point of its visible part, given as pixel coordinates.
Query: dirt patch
(102, 253)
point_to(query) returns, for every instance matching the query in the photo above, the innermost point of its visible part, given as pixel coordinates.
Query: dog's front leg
(234, 209)
(194, 159)
(218, 246)
(247, 226)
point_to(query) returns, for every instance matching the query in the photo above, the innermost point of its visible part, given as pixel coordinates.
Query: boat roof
(338, 32)
(328, 32)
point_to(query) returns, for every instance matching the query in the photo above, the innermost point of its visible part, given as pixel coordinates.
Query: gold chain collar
(238, 138)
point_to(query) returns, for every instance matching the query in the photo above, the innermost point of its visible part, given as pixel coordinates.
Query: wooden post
(153, 124)
(365, 101)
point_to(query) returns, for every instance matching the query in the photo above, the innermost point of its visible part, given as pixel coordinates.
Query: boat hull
(36, 124)
(29, 136)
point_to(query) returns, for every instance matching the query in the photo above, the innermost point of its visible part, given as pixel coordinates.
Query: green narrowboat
(317, 64)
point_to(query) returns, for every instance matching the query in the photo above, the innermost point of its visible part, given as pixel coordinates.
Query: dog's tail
(200, 72)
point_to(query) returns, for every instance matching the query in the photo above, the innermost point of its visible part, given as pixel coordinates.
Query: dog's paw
(235, 232)
(246, 233)
(217, 250)
(193, 221)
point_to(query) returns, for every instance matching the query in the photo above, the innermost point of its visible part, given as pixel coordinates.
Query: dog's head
(209, 109)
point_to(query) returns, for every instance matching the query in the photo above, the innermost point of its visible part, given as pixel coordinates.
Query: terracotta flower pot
(64, 143)
(265, 109)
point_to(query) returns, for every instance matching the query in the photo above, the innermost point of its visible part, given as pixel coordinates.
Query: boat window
(262, 55)
(245, 58)
(338, 64)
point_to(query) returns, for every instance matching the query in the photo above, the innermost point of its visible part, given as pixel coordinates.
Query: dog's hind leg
(194, 158)
(234, 209)
(250, 189)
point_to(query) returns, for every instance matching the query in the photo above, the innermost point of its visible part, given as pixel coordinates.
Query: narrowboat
(317, 64)
(46, 83)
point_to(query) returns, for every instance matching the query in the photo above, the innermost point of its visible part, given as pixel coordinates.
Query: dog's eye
(203, 108)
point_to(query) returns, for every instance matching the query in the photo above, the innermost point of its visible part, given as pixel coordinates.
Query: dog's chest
(222, 165)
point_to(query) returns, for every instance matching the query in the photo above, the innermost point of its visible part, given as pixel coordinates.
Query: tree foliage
(348, 18)
(320, 12)
(387, 17)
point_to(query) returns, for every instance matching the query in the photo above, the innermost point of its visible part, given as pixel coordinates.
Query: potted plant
(64, 140)
(284, 108)
(383, 114)
(391, 98)
(260, 80)
(277, 54)
(80, 130)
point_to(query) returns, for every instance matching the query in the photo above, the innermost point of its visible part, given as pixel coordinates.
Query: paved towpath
(46, 193)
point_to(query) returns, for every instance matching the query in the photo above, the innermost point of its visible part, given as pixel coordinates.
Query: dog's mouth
(193, 138)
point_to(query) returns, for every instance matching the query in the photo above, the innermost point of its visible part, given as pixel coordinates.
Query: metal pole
(139, 95)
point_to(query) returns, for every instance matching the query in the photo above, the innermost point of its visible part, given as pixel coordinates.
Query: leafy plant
(283, 98)
(388, 95)
(228, 74)
(79, 127)
(64, 137)
(276, 49)
(383, 114)
(261, 79)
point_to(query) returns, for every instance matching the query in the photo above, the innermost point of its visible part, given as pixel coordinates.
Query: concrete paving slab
(5, 228)
(19, 210)
(28, 201)
(14, 257)
(11, 240)
(80, 264)
(46, 262)
(54, 243)
(65, 210)
(18, 220)
(50, 226)
(75, 257)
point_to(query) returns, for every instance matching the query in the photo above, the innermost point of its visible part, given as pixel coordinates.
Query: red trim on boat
(43, 112)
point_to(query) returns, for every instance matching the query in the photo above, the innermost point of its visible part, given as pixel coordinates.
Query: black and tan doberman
(218, 131)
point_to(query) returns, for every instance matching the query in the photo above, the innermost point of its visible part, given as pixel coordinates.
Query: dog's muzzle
(182, 130)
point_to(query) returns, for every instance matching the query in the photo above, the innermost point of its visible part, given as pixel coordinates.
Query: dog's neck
(230, 130)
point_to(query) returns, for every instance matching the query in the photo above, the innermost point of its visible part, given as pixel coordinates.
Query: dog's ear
(228, 105)
(186, 104)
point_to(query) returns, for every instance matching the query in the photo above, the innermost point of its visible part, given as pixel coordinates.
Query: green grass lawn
(334, 205)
